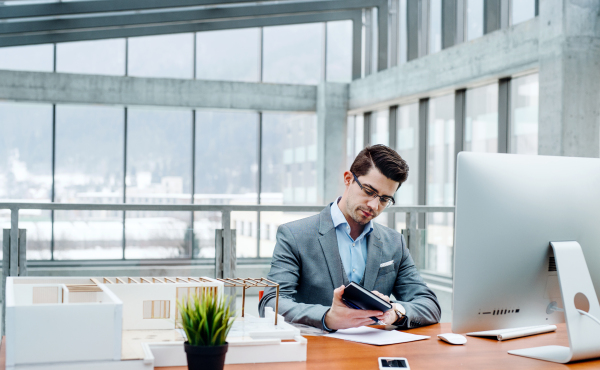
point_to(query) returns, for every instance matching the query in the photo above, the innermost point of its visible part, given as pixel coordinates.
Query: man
(316, 257)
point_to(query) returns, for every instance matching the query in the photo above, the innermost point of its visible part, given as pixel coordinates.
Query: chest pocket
(385, 270)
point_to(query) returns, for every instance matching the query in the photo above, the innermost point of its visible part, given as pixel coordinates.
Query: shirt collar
(338, 218)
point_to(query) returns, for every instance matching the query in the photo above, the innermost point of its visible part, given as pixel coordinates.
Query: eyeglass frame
(376, 195)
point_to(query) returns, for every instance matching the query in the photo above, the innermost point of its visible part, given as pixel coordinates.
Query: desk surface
(479, 353)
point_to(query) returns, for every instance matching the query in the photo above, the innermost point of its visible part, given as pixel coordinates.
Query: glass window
(226, 173)
(435, 26)
(339, 51)
(170, 56)
(293, 54)
(407, 145)
(402, 38)
(359, 142)
(350, 137)
(440, 183)
(380, 129)
(38, 58)
(524, 104)
(289, 169)
(289, 155)
(89, 154)
(474, 19)
(26, 170)
(159, 168)
(89, 169)
(103, 57)
(522, 10)
(228, 55)
(481, 123)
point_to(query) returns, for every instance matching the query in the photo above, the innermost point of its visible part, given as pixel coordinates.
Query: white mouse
(452, 338)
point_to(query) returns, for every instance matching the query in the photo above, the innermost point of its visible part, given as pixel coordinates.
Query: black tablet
(356, 296)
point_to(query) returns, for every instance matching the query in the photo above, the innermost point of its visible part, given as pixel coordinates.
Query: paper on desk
(375, 336)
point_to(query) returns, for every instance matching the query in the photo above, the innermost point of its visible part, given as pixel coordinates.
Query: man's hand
(389, 317)
(341, 316)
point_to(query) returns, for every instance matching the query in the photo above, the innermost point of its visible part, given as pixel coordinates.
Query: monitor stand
(575, 285)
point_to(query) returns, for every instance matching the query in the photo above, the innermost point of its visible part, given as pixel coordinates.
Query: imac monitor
(508, 210)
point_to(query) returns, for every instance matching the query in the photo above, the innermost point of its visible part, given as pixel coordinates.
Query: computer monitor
(508, 210)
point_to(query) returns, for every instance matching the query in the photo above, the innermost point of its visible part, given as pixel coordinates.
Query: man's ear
(348, 178)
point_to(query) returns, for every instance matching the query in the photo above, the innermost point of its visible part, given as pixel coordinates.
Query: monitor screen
(508, 209)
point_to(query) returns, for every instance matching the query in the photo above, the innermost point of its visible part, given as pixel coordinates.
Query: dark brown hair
(385, 159)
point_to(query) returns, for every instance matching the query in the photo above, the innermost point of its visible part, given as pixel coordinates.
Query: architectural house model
(126, 323)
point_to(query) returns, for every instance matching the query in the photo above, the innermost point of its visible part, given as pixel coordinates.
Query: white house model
(124, 323)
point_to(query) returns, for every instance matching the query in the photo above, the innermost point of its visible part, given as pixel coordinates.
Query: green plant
(206, 319)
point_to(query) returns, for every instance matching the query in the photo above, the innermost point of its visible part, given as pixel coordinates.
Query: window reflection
(524, 114)
(228, 55)
(481, 124)
(293, 54)
(440, 183)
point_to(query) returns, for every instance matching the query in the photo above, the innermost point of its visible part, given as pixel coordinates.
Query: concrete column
(569, 76)
(332, 106)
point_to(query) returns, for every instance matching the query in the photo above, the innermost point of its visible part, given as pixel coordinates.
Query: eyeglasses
(384, 200)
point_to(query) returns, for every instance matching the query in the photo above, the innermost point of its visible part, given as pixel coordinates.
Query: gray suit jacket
(307, 266)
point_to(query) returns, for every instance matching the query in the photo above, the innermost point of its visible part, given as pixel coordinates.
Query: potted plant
(206, 320)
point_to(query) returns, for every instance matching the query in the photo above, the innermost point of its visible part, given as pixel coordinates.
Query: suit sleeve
(420, 302)
(286, 266)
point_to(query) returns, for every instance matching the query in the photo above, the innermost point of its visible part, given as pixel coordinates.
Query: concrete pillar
(332, 106)
(569, 46)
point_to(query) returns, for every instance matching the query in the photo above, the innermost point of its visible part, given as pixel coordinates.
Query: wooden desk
(329, 354)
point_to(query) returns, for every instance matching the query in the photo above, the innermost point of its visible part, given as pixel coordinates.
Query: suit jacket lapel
(329, 244)
(373, 259)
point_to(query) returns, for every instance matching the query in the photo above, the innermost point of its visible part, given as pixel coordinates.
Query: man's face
(360, 207)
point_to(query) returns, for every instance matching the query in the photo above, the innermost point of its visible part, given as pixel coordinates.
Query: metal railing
(225, 261)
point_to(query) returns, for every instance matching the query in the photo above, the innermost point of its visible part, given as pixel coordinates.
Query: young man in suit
(316, 257)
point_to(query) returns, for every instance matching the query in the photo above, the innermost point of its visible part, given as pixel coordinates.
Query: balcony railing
(14, 263)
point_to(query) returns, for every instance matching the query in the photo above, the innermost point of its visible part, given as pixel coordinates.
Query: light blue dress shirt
(352, 252)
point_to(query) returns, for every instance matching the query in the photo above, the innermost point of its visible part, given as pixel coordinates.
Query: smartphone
(393, 363)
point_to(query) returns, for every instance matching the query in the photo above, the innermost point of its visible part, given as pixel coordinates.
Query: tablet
(356, 296)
